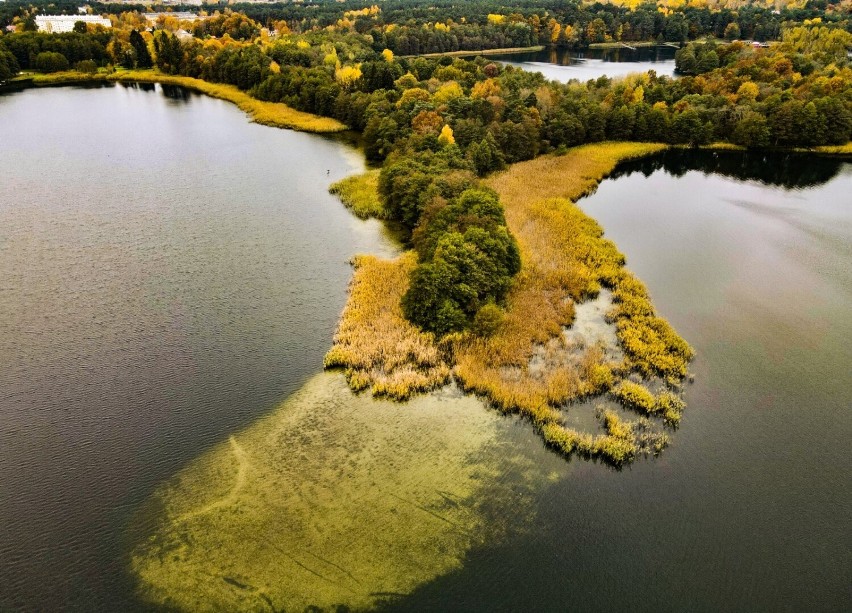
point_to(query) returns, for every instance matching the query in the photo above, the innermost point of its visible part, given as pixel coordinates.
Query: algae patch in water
(333, 499)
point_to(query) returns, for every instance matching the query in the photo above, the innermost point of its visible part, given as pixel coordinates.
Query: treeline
(410, 27)
(74, 47)
(415, 27)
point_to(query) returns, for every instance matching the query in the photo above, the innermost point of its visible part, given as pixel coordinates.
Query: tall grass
(566, 259)
(374, 344)
(525, 364)
(267, 113)
(360, 194)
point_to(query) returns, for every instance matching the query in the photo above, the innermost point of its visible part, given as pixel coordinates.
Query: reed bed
(267, 113)
(566, 259)
(833, 149)
(526, 364)
(620, 445)
(374, 344)
(360, 194)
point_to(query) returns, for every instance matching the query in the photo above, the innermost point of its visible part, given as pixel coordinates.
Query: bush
(487, 320)
(634, 396)
(87, 66)
(50, 61)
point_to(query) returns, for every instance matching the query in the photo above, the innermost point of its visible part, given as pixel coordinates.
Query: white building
(180, 16)
(65, 23)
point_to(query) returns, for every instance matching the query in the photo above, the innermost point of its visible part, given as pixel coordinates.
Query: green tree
(732, 31)
(486, 155)
(143, 56)
(8, 65)
(51, 61)
(752, 130)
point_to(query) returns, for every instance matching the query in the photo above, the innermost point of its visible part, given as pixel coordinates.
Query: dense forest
(439, 123)
(410, 27)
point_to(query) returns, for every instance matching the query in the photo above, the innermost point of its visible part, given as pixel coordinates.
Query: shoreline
(500, 51)
(271, 114)
(637, 45)
(535, 364)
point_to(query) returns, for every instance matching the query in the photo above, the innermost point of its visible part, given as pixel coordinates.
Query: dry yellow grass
(566, 176)
(267, 113)
(360, 194)
(833, 149)
(565, 259)
(375, 344)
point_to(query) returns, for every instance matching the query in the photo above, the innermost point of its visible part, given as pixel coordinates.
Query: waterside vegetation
(375, 345)
(360, 194)
(276, 115)
(520, 360)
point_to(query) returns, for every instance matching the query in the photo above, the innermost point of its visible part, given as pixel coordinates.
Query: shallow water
(564, 65)
(169, 272)
(335, 500)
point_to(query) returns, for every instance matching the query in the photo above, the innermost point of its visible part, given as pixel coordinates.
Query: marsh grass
(267, 113)
(360, 194)
(833, 149)
(526, 364)
(567, 260)
(375, 345)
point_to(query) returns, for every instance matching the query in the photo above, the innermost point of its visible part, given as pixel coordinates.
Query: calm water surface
(751, 506)
(564, 64)
(170, 272)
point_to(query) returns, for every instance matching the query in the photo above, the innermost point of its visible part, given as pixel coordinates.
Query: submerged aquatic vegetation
(344, 497)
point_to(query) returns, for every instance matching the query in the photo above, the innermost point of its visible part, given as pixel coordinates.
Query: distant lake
(564, 64)
(170, 273)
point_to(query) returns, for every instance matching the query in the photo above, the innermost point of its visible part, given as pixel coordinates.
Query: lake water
(564, 64)
(170, 273)
(750, 508)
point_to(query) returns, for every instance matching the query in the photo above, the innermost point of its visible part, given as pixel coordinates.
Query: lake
(565, 64)
(170, 272)
(172, 276)
(750, 257)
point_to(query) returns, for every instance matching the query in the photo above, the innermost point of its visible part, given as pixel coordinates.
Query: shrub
(487, 320)
(50, 61)
(86, 66)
